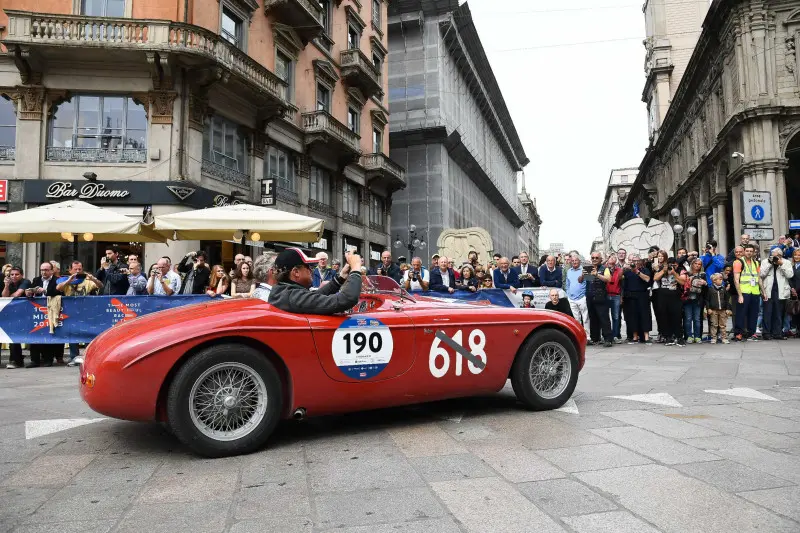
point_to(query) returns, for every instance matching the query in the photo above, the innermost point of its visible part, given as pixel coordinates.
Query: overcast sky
(577, 108)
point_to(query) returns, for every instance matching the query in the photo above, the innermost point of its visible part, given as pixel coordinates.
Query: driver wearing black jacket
(294, 279)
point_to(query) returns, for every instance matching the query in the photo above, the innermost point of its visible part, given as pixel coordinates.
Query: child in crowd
(527, 300)
(718, 308)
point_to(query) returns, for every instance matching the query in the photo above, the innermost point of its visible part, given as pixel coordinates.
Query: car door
(373, 345)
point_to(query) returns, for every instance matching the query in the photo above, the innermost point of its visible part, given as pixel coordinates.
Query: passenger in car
(294, 277)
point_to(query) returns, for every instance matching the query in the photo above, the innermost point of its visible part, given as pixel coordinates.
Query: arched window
(98, 128)
(8, 130)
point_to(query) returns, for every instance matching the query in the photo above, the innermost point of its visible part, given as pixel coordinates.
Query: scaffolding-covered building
(451, 130)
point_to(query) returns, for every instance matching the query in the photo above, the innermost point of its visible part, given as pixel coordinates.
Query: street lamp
(678, 227)
(414, 241)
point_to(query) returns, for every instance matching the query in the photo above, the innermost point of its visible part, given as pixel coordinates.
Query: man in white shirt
(417, 278)
(163, 281)
(264, 272)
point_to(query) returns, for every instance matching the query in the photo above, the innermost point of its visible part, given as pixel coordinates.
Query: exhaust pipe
(299, 414)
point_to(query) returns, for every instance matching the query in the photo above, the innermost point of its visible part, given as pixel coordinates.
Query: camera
(81, 276)
(775, 260)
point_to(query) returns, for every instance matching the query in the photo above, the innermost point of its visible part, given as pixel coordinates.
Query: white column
(781, 223)
(736, 205)
(702, 229)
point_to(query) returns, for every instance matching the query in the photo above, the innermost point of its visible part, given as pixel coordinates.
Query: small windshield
(384, 284)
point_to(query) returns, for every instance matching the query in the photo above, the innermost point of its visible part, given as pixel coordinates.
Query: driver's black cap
(292, 257)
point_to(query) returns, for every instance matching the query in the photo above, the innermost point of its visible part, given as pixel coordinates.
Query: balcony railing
(377, 226)
(322, 208)
(383, 163)
(225, 174)
(96, 155)
(137, 35)
(351, 218)
(321, 122)
(287, 195)
(355, 63)
(305, 16)
(7, 153)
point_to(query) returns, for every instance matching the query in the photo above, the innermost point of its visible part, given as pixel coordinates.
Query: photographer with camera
(387, 268)
(417, 278)
(775, 275)
(668, 281)
(78, 283)
(113, 273)
(195, 266)
(163, 281)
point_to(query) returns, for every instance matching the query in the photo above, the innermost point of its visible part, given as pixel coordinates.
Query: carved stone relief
(637, 237)
(457, 243)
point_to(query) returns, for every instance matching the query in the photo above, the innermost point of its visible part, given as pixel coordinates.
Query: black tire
(179, 410)
(522, 381)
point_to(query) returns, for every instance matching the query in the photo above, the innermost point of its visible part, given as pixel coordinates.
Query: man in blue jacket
(504, 277)
(443, 279)
(550, 274)
(712, 261)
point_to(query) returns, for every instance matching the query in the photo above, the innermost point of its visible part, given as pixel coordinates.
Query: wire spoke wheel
(550, 370)
(228, 401)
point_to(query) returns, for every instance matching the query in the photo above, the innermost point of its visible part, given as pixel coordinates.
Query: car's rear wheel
(545, 371)
(226, 400)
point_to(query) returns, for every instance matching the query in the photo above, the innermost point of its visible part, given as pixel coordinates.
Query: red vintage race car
(222, 374)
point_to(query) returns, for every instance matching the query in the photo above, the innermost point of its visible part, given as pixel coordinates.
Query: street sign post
(756, 208)
(760, 234)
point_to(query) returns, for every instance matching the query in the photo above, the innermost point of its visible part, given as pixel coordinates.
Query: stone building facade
(731, 126)
(279, 103)
(619, 185)
(451, 129)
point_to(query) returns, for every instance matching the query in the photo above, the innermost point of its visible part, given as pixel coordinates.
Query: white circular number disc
(362, 347)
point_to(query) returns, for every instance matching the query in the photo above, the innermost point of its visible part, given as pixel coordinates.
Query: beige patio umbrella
(74, 221)
(239, 222)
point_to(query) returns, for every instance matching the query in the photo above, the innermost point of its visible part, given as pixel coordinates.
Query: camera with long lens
(775, 260)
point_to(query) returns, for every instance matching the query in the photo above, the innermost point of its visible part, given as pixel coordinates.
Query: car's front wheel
(545, 371)
(225, 400)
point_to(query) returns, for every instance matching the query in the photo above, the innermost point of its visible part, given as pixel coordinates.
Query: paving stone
(440, 525)
(450, 467)
(654, 446)
(331, 446)
(468, 431)
(112, 471)
(540, 431)
(490, 504)
(759, 420)
(731, 476)
(785, 501)
(425, 440)
(172, 517)
(515, 462)
(272, 499)
(584, 421)
(700, 417)
(285, 524)
(781, 465)
(70, 504)
(677, 503)
(781, 410)
(662, 425)
(613, 522)
(564, 497)
(592, 457)
(361, 508)
(715, 369)
(86, 526)
(379, 468)
(21, 502)
(190, 486)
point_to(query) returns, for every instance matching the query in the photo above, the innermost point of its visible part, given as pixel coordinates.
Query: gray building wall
(429, 99)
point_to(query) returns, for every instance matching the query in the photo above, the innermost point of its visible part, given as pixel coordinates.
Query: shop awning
(239, 221)
(74, 220)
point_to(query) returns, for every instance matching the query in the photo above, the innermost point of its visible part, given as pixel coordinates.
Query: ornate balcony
(7, 153)
(304, 16)
(228, 175)
(320, 126)
(325, 209)
(151, 42)
(377, 226)
(286, 195)
(358, 71)
(381, 169)
(351, 218)
(96, 155)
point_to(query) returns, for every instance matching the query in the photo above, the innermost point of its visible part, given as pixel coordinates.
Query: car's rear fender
(265, 349)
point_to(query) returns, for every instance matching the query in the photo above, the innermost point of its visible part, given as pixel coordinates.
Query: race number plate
(362, 347)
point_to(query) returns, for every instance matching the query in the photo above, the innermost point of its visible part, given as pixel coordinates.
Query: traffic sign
(760, 234)
(794, 224)
(757, 208)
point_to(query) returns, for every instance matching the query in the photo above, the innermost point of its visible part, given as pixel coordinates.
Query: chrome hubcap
(550, 370)
(228, 401)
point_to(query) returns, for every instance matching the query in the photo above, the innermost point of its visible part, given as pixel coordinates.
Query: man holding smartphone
(44, 285)
(112, 273)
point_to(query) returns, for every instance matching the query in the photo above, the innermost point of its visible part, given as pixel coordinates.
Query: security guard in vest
(748, 284)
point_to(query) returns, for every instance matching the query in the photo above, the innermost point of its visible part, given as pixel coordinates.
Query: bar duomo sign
(133, 193)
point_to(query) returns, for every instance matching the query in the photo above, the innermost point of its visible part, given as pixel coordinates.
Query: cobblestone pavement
(674, 458)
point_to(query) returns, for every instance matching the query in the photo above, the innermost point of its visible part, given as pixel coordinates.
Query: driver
(295, 277)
